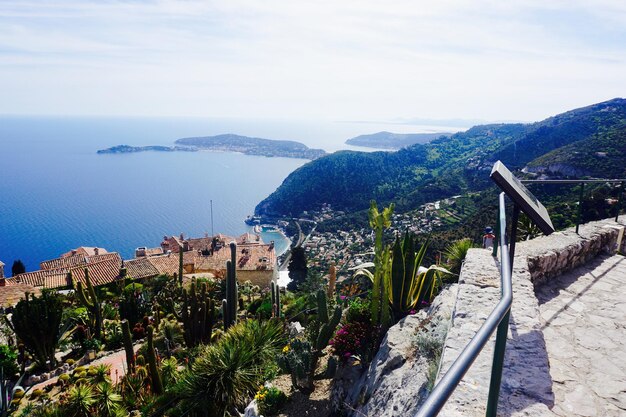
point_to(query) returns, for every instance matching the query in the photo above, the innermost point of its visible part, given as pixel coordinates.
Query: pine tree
(297, 268)
(18, 267)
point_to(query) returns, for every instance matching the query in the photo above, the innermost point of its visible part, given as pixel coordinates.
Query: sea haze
(56, 193)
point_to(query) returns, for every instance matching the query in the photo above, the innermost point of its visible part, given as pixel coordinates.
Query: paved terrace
(567, 337)
(583, 316)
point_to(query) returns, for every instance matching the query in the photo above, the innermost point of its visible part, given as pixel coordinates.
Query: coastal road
(301, 241)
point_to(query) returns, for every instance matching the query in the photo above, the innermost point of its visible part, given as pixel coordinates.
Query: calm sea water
(56, 193)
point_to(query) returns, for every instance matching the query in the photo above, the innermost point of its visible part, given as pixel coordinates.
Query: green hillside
(453, 165)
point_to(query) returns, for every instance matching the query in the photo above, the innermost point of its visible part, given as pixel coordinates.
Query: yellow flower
(286, 349)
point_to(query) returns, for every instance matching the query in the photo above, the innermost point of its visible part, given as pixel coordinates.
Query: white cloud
(328, 59)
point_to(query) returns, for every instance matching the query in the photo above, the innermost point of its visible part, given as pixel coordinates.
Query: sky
(337, 60)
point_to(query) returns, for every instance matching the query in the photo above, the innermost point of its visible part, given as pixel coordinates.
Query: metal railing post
(497, 239)
(580, 205)
(503, 331)
(619, 200)
(497, 366)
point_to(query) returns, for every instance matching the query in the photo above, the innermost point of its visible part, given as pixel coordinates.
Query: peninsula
(389, 140)
(253, 146)
(229, 143)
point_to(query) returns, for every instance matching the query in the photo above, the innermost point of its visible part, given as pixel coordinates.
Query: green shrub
(226, 374)
(70, 362)
(270, 400)
(8, 361)
(37, 323)
(358, 311)
(265, 309)
(19, 393)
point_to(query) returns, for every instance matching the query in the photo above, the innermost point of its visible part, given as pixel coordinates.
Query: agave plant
(79, 400)
(408, 284)
(455, 254)
(108, 402)
(526, 228)
(226, 374)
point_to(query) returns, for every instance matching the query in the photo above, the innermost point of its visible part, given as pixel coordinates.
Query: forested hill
(394, 141)
(448, 166)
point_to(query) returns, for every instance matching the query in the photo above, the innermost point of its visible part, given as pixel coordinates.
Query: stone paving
(583, 315)
(117, 360)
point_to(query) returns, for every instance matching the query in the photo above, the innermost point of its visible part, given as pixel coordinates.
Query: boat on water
(268, 228)
(253, 220)
(257, 229)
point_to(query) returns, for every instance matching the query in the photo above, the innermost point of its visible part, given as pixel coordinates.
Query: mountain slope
(448, 166)
(389, 140)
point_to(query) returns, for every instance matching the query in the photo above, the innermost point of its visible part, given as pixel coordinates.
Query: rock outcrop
(397, 380)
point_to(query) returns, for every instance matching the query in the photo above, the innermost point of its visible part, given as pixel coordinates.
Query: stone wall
(550, 256)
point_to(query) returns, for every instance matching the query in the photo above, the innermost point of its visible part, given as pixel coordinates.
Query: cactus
(300, 358)
(180, 265)
(155, 377)
(275, 291)
(230, 303)
(379, 222)
(128, 346)
(328, 325)
(198, 315)
(331, 367)
(89, 299)
(332, 280)
(296, 360)
(278, 308)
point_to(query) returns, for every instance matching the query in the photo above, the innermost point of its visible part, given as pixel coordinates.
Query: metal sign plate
(521, 196)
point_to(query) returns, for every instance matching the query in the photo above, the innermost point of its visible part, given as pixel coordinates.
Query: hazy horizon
(352, 60)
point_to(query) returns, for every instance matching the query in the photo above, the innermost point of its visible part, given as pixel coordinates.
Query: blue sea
(56, 193)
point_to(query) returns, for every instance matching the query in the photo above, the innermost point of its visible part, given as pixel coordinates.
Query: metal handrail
(498, 319)
(582, 192)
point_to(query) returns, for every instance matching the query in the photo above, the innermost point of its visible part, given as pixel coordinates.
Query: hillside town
(206, 256)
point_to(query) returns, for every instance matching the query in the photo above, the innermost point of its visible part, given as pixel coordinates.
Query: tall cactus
(230, 303)
(327, 324)
(128, 346)
(155, 377)
(332, 280)
(301, 358)
(379, 222)
(89, 299)
(198, 315)
(275, 292)
(278, 306)
(180, 265)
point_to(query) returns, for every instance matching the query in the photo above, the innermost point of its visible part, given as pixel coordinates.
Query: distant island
(253, 146)
(157, 148)
(389, 140)
(229, 143)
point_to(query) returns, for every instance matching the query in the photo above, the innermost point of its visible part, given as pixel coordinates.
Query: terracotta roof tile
(141, 268)
(12, 293)
(54, 278)
(104, 257)
(250, 257)
(100, 273)
(67, 262)
(84, 251)
(165, 264)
